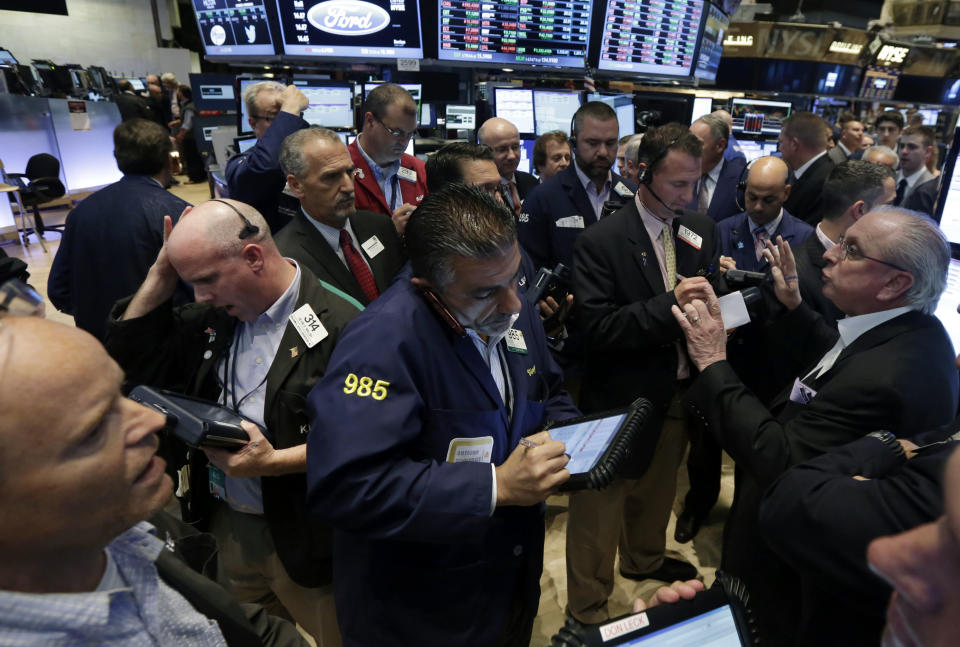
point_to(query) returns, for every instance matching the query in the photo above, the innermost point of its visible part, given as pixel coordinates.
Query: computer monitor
(701, 106)
(715, 25)
(415, 89)
(331, 103)
(516, 106)
(758, 116)
(353, 29)
(138, 84)
(428, 116)
(526, 155)
(532, 32)
(243, 144)
(554, 110)
(242, 83)
(6, 58)
(947, 212)
(643, 39)
(234, 28)
(930, 116)
(461, 117)
(946, 310)
(213, 91)
(879, 82)
(623, 105)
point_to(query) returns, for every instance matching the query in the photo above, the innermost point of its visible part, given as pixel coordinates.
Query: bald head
(504, 139)
(726, 116)
(766, 190)
(216, 228)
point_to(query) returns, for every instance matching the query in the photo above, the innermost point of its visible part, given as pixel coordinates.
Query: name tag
(571, 222)
(308, 324)
(801, 393)
(470, 450)
(622, 189)
(515, 341)
(407, 174)
(372, 246)
(690, 237)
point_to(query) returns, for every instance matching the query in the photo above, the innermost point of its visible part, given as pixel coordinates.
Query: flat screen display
(516, 106)
(351, 28)
(879, 82)
(137, 84)
(331, 106)
(946, 310)
(525, 32)
(243, 126)
(948, 202)
(651, 37)
(461, 117)
(586, 441)
(623, 105)
(715, 628)
(6, 58)
(758, 117)
(554, 110)
(234, 27)
(701, 106)
(213, 91)
(753, 149)
(711, 44)
(415, 89)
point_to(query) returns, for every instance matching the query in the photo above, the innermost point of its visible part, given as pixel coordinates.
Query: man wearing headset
(257, 339)
(629, 270)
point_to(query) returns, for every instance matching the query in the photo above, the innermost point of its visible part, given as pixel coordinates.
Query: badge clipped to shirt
(622, 190)
(801, 393)
(372, 246)
(470, 450)
(407, 174)
(690, 237)
(515, 341)
(308, 324)
(570, 222)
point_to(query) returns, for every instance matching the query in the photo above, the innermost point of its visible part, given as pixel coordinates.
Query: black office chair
(43, 185)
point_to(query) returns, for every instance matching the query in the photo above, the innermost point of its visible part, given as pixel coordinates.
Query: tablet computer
(719, 617)
(599, 444)
(198, 423)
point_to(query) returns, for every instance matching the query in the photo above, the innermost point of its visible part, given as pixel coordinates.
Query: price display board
(651, 37)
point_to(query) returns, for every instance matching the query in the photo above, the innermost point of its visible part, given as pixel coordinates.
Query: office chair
(43, 185)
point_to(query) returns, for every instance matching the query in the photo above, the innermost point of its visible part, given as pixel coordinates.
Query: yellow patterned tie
(669, 255)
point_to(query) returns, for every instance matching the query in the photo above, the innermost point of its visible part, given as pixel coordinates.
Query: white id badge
(308, 324)
(801, 393)
(372, 246)
(690, 237)
(622, 190)
(407, 174)
(515, 341)
(470, 450)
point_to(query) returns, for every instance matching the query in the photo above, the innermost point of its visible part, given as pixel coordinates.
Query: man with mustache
(355, 251)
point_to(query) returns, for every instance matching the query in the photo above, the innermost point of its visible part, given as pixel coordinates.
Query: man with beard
(558, 211)
(357, 252)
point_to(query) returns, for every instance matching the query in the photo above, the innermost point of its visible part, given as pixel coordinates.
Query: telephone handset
(441, 310)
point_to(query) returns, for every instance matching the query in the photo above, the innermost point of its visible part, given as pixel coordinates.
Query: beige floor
(703, 552)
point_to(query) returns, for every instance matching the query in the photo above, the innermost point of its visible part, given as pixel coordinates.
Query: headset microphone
(678, 212)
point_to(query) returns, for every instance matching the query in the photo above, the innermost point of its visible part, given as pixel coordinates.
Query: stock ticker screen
(234, 27)
(552, 33)
(651, 37)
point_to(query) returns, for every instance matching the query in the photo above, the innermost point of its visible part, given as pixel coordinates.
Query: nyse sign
(892, 54)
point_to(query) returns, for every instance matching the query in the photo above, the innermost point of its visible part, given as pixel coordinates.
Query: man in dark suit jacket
(83, 468)
(503, 138)
(320, 174)
(924, 197)
(113, 236)
(628, 270)
(716, 192)
(257, 340)
(848, 387)
(130, 104)
(803, 146)
(558, 210)
(254, 176)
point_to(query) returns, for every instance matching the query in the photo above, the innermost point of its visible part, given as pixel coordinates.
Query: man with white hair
(254, 176)
(257, 340)
(883, 155)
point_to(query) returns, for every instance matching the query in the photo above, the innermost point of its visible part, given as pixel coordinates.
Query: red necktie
(358, 267)
(514, 197)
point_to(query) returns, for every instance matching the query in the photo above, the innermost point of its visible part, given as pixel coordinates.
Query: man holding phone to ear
(416, 452)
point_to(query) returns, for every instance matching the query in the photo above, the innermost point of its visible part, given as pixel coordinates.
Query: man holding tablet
(420, 450)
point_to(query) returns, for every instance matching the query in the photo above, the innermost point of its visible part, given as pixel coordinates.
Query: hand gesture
(702, 325)
(783, 267)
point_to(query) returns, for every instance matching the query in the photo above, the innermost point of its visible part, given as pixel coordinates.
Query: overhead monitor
(6, 58)
(930, 116)
(879, 83)
(415, 89)
(516, 106)
(758, 116)
(948, 202)
(623, 105)
(531, 32)
(701, 106)
(330, 104)
(554, 110)
(213, 91)
(461, 117)
(359, 29)
(715, 26)
(651, 37)
(234, 28)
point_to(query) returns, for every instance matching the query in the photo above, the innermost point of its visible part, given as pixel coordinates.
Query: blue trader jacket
(418, 556)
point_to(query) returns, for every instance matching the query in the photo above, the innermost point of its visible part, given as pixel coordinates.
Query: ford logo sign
(348, 17)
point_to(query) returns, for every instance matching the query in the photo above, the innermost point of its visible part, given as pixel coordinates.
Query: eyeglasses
(266, 118)
(396, 133)
(850, 251)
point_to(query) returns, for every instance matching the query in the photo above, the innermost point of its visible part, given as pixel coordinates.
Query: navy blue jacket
(255, 177)
(736, 239)
(418, 558)
(110, 241)
(724, 201)
(559, 198)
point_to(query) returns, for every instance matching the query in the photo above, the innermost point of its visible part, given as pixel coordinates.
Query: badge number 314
(365, 386)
